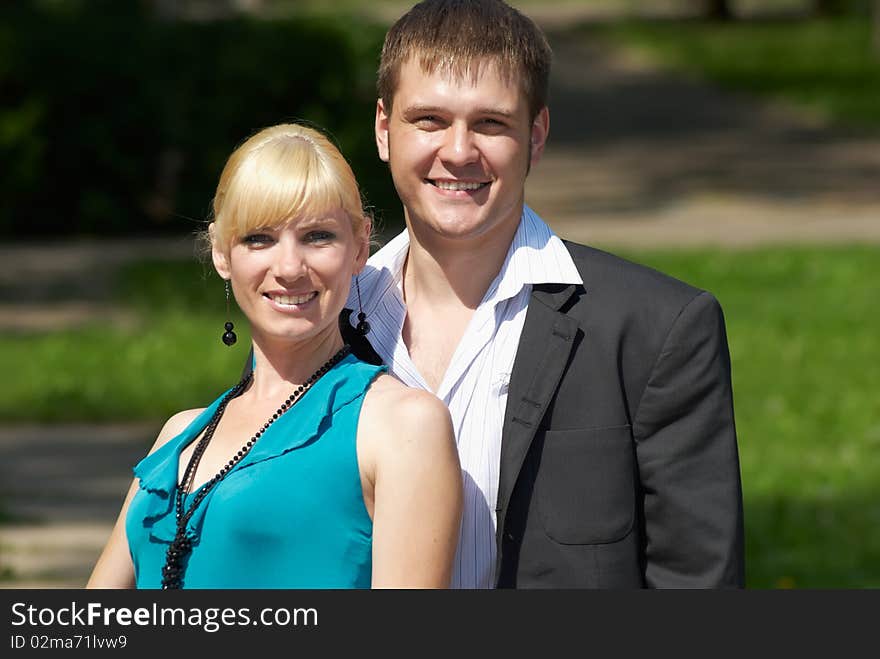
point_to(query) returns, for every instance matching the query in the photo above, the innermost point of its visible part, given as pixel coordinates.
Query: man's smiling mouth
(456, 186)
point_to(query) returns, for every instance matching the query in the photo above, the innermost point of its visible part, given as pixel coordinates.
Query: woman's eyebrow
(320, 220)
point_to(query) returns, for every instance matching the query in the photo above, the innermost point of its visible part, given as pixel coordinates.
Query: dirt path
(637, 157)
(63, 486)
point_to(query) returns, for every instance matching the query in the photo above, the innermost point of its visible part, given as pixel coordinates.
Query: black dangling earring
(228, 336)
(363, 327)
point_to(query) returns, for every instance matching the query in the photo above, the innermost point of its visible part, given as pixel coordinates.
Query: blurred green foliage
(842, 7)
(826, 65)
(161, 353)
(117, 121)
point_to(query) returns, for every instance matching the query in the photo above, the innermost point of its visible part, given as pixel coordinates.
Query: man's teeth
(293, 299)
(458, 185)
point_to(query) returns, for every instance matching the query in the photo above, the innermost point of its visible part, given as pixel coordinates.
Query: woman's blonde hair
(280, 173)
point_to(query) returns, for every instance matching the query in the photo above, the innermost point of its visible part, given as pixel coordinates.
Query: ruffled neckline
(158, 472)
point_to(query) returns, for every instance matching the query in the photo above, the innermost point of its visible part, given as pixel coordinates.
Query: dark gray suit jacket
(619, 463)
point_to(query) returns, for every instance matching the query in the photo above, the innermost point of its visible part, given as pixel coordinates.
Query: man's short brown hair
(458, 36)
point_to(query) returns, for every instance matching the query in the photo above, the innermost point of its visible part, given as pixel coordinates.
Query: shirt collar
(536, 256)
(384, 271)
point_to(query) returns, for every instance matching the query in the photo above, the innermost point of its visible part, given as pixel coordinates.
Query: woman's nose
(290, 262)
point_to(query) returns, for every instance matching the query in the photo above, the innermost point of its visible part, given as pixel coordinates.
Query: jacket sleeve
(687, 457)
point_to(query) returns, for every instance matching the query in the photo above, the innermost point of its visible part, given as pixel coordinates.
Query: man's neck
(454, 273)
(444, 282)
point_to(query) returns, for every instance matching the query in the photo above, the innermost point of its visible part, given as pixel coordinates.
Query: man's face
(459, 152)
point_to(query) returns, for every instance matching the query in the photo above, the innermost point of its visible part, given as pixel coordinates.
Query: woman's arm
(114, 568)
(406, 439)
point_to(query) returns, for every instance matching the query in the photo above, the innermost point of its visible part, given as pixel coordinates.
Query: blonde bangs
(279, 175)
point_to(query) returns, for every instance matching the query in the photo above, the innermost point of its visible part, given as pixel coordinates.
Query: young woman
(317, 470)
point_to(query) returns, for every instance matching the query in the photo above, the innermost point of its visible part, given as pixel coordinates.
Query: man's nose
(459, 147)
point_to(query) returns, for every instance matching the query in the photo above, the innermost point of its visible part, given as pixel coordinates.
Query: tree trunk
(717, 10)
(876, 27)
(829, 7)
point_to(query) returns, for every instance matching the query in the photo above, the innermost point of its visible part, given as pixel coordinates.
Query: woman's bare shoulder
(404, 427)
(175, 425)
(390, 399)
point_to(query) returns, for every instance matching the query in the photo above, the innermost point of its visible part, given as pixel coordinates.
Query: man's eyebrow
(436, 109)
(422, 109)
(500, 112)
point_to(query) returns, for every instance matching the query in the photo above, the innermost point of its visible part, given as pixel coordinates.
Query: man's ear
(539, 134)
(381, 127)
(221, 260)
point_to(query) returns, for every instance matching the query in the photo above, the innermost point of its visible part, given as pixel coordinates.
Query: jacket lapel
(545, 345)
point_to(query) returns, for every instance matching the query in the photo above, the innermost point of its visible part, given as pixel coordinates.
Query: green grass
(826, 66)
(170, 358)
(804, 332)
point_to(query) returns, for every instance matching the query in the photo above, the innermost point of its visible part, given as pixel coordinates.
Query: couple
(585, 436)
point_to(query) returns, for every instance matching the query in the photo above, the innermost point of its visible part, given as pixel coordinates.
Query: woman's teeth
(293, 299)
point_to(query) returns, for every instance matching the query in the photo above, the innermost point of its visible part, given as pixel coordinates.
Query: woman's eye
(320, 236)
(257, 239)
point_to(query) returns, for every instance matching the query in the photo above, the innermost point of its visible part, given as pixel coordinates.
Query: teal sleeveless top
(290, 514)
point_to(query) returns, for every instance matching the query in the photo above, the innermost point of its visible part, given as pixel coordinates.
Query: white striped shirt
(474, 386)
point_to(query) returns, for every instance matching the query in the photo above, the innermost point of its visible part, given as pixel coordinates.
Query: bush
(121, 121)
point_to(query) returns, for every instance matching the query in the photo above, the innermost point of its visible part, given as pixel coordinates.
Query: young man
(591, 397)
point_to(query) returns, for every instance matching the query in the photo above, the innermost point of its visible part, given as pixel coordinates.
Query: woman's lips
(287, 302)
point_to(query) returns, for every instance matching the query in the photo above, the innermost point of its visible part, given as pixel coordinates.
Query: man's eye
(493, 125)
(427, 121)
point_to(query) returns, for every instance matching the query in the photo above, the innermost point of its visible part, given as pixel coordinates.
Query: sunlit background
(735, 145)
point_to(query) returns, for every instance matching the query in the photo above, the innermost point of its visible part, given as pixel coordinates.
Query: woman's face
(292, 282)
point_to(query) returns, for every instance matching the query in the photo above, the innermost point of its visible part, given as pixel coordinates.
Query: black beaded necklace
(181, 546)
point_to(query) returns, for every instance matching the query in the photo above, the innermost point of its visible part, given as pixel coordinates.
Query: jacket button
(508, 536)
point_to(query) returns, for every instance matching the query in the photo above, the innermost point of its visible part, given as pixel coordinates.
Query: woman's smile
(288, 302)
